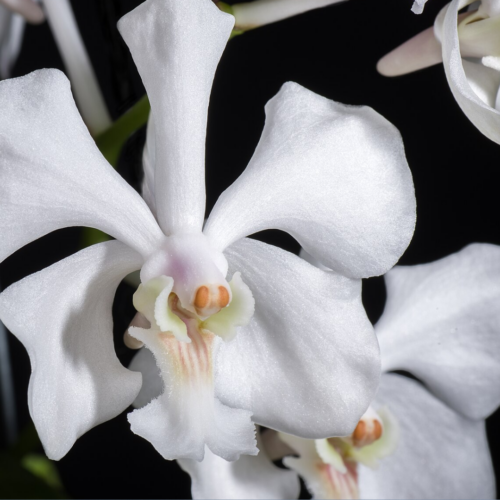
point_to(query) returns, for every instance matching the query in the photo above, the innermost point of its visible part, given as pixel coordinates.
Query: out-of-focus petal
(442, 323)
(418, 6)
(482, 115)
(11, 38)
(29, 9)
(479, 36)
(250, 15)
(421, 51)
(176, 46)
(323, 479)
(247, 477)
(307, 363)
(441, 454)
(77, 62)
(333, 176)
(62, 315)
(53, 175)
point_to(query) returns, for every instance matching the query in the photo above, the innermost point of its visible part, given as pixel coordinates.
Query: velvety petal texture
(53, 175)
(248, 477)
(441, 323)
(308, 362)
(176, 46)
(250, 15)
(441, 454)
(62, 315)
(485, 117)
(333, 176)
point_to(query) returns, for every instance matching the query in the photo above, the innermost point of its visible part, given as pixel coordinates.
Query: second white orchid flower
(470, 52)
(306, 362)
(440, 324)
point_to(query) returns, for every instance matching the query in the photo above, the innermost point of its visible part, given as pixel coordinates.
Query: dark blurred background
(332, 51)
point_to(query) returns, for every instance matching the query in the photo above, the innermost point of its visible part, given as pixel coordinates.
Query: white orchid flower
(426, 439)
(335, 177)
(13, 14)
(250, 15)
(470, 53)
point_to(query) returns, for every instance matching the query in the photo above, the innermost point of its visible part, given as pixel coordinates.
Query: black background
(332, 51)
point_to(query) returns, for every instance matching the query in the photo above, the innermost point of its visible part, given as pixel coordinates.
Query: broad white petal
(53, 175)
(440, 454)
(482, 115)
(441, 323)
(335, 177)
(62, 315)
(308, 362)
(248, 477)
(176, 46)
(250, 15)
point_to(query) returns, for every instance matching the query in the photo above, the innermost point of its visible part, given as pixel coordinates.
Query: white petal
(152, 383)
(484, 81)
(176, 46)
(483, 116)
(440, 454)
(187, 416)
(54, 176)
(421, 51)
(418, 6)
(62, 315)
(259, 12)
(307, 363)
(335, 177)
(247, 477)
(441, 324)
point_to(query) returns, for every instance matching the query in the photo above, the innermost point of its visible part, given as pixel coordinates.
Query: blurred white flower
(440, 324)
(470, 53)
(249, 15)
(307, 363)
